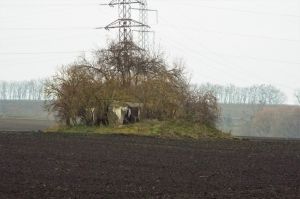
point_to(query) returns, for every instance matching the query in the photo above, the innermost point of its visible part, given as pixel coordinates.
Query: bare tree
(121, 75)
(277, 121)
(202, 107)
(22, 90)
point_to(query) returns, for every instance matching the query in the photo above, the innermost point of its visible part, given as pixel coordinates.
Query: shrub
(82, 93)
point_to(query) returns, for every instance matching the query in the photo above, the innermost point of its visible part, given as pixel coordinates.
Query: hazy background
(243, 42)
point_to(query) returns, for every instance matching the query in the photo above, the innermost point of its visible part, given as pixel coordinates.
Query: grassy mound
(164, 129)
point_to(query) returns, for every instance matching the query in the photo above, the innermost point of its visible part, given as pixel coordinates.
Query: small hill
(235, 118)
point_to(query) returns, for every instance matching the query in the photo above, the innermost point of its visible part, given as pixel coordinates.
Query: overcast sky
(242, 42)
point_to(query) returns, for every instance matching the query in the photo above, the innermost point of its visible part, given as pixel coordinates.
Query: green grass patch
(153, 128)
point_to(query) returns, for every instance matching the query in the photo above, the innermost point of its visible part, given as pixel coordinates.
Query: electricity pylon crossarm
(126, 25)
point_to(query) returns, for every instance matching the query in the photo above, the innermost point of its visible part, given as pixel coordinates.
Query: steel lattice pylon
(143, 32)
(125, 23)
(129, 47)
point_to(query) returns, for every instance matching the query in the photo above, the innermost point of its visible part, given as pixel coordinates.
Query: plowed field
(36, 165)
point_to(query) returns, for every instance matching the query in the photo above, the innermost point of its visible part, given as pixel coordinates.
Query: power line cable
(184, 4)
(47, 28)
(243, 11)
(45, 52)
(218, 55)
(224, 71)
(236, 34)
(48, 4)
(241, 56)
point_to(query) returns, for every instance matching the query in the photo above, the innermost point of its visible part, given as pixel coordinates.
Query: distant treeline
(230, 94)
(22, 90)
(256, 94)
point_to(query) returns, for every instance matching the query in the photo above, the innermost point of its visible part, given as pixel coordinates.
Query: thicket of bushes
(275, 122)
(117, 74)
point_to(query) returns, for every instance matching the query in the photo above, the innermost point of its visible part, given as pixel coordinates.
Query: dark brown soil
(78, 166)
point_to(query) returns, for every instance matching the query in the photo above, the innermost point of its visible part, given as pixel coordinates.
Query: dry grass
(154, 128)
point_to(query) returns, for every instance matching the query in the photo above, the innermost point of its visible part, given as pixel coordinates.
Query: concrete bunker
(125, 113)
